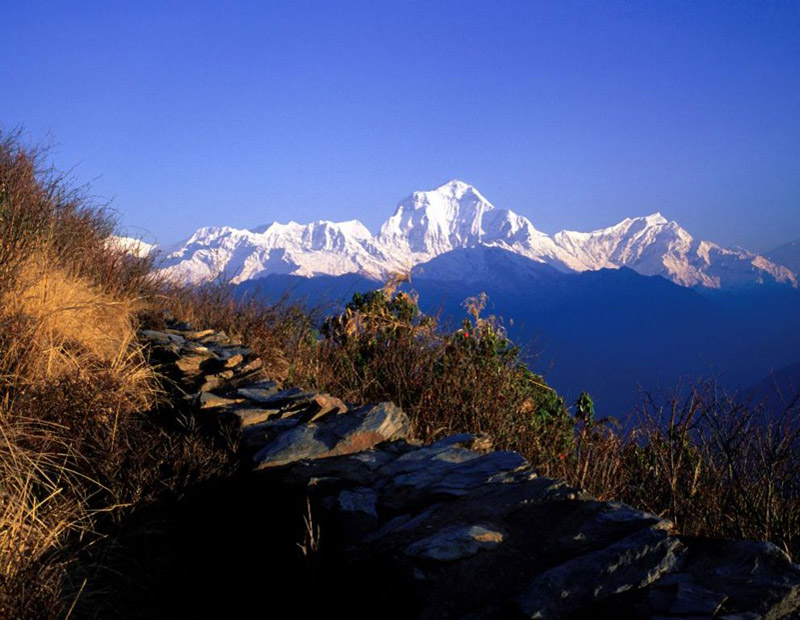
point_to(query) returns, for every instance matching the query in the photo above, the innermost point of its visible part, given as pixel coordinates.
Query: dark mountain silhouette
(611, 332)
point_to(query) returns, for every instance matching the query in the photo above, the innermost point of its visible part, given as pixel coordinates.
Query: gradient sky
(575, 114)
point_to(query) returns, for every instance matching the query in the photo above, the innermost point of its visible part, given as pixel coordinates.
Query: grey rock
(189, 346)
(214, 382)
(214, 338)
(152, 335)
(198, 334)
(258, 434)
(691, 599)
(249, 415)
(360, 499)
(273, 397)
(207, 400)
(230, 352)
(444, 469)
(325, 404)
(250, 368)
(456, 542)
(756, 577)
(358, 469)
(190, 364)
(335, 435)
(631, 563)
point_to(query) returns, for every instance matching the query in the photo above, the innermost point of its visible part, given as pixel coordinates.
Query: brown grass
(69, 322)
(81, 445)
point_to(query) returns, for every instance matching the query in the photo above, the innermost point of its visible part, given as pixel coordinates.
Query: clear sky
(575, 114)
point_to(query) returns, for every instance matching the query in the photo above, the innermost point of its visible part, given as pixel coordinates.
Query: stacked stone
(476, 531)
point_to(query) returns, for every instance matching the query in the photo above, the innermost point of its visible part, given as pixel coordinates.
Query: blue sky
(575, 114)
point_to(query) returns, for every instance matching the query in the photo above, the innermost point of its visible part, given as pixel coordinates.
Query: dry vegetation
(714, 463)
(81, 445)
(85, 438)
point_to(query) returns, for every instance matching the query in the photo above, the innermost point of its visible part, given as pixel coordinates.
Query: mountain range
(454, 216)
(636, 306)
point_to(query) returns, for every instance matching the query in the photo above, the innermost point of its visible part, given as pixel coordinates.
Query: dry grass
(69, 323)
(79, 444)
(37, 518)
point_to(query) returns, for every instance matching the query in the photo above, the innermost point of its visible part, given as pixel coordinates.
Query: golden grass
(68, 319)
(82, 443)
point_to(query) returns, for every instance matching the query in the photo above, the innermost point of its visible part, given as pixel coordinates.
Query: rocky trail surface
(391, 528)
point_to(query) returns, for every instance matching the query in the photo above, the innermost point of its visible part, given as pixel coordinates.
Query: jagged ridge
(453, 216)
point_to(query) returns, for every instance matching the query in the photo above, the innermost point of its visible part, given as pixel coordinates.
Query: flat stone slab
(276, 398)
(207, 400)
(153, 335)
(360, 499)
(249, 415)
(443, 469)
(631, 563)
(456, 542)
(335, 435)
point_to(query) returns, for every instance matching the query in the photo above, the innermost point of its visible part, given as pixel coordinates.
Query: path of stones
(470, 532)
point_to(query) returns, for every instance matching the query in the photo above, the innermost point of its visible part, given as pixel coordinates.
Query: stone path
(475, 532)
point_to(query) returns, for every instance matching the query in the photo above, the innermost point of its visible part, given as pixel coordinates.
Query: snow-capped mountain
(301, 249)
(453, 216)
(787, 255)
(131, 245)
(652, 245)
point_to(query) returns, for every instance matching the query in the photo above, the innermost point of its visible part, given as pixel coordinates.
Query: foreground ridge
(470, 532)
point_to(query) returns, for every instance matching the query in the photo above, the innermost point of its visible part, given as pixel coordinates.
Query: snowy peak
(453, 215)
(321, 247)
(787, 255)
(438, 220)
(130, 245)
(456, 216)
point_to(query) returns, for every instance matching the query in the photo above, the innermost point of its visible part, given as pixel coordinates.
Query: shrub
(382, 347)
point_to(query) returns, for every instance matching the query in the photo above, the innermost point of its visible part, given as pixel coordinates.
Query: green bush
(382, 347)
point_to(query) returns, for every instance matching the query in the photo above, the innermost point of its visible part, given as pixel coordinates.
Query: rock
(258, 434)
(335, 435)
(260, 392)
(323, 404)
(179, 326)
(213, 338)
(233, 361)
(275, 398)
(444, 469)
(511, 504)
(190, 364)
(360, 499)
(631, 563)
(691, 599)
(197, 335)
(230, 352)
(456, 542)
(160, 337)
(207, 400)
(755, 577)
(358, 469)
(189, 346)
(473, 531)
(211, 382)
(249, 415)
